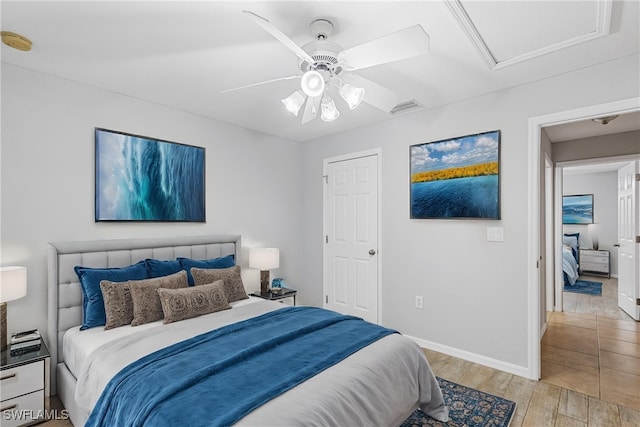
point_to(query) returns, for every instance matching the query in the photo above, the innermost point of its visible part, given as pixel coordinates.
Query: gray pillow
(194, 301)
(232, 281)
(118, 305)
(146, 302)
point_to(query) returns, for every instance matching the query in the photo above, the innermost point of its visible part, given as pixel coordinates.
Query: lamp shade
(13, 283)
(264, 258)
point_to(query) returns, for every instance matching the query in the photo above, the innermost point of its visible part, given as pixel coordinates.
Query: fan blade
(260, 83)
(271, 29)
(311, 109)
(407, 43)
(374, 94)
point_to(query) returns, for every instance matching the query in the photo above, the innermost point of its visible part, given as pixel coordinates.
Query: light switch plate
(495, 234)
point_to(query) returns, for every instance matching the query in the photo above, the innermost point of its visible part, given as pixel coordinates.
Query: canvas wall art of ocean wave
(577, 209)
(456, 178)
(144, 179)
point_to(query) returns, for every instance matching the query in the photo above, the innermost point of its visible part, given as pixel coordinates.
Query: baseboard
(521, 371)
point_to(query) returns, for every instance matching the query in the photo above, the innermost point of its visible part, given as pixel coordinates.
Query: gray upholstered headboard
(65, 293)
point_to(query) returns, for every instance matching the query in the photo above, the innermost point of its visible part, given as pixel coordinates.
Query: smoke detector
(16, 41)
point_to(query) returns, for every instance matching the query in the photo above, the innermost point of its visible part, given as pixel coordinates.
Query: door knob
(372, 251)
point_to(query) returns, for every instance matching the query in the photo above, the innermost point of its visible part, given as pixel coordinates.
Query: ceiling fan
(323, 64)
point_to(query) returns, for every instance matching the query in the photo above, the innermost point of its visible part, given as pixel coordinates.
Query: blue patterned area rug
(584, 287)
(467, 407)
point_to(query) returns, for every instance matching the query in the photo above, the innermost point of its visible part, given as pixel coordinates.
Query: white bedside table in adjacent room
(595, 262)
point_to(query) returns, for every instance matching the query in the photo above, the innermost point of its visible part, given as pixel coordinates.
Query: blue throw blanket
(218, 377)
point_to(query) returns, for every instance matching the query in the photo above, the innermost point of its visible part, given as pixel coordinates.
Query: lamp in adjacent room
(264, 259)
(13, 285)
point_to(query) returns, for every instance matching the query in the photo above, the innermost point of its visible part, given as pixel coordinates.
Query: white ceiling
(183, 54)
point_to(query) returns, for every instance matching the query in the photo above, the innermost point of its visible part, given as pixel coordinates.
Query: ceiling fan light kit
(325, 65)
(312, 83)
(352, 95)
(329, 110)
(294, 102)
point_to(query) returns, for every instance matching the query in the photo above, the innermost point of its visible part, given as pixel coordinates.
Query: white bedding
(77, 345)
(379, 385)
(569, 265)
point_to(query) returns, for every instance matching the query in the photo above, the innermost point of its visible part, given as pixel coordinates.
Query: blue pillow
(222, 262)
(93, 313)
(157, 268)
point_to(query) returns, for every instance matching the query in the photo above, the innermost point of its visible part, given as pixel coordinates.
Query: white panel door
(351, 237)
(628, 225)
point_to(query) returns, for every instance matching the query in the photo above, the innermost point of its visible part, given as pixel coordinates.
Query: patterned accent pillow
(194, 301)
(118, 305)
(146, 302)
(232, 281)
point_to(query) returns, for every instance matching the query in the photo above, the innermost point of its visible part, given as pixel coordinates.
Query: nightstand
(25, 387)
(595, 262)
(282, 295)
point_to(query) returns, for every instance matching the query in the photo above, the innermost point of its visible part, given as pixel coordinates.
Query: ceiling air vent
(406, 106)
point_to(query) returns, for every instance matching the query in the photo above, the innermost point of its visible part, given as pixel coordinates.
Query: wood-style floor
(590, 369)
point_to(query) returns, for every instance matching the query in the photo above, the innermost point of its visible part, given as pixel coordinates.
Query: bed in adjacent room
(246, 362)
(570, 258)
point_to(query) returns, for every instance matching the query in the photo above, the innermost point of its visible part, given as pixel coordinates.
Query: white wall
(475, 292)
(604, 187)
(47, 179)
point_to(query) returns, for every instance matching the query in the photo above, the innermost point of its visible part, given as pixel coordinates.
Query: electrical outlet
(418, 302)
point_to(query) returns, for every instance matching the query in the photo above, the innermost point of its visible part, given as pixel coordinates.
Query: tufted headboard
(65, 293)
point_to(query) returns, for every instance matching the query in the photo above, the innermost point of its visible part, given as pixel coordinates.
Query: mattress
(380, 384)
(77, 345)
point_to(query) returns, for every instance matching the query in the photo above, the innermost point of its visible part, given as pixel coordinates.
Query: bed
(570, 257)
(381, 383)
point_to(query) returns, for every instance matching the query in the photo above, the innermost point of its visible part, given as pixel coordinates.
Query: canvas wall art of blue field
(456, 178)
(144, 179)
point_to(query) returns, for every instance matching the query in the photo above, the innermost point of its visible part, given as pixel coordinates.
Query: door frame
(377, 152)
(533, 218)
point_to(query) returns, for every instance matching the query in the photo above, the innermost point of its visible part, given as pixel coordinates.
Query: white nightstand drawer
(600, 259)
(22, 410)
(590, 266)
(21, 380)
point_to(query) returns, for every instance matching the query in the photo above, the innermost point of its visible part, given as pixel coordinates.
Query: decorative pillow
(93, 313)
(193, 301)
(157, 268)
(118, 305)
(222, 262)
(146, 302)
(233, 285)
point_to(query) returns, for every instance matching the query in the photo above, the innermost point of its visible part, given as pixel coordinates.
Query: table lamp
(13, 285)
(264, 259)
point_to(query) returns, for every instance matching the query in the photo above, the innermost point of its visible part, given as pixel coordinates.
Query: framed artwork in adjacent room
(577, 209)
(138, 178)
(457, 178)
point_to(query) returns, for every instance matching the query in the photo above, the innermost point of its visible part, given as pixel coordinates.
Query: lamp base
(3, 326)
(264, 282)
